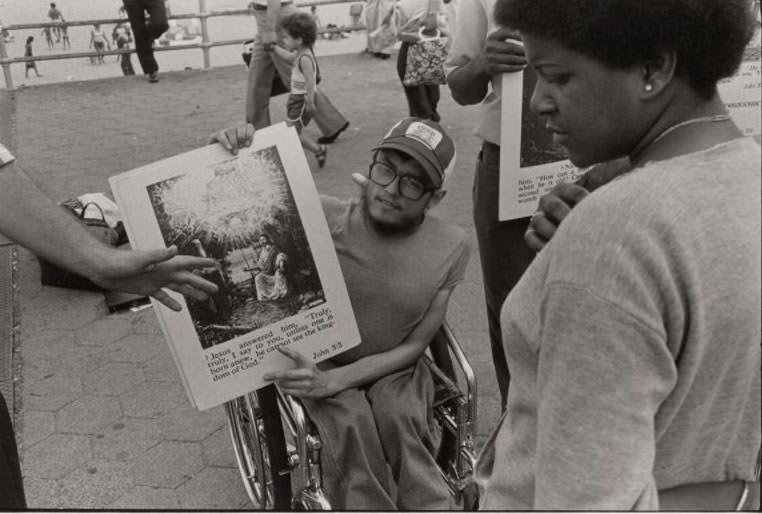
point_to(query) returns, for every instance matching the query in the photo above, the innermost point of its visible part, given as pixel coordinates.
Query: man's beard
(388, 228)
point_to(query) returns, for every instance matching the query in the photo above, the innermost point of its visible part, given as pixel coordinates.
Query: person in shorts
(298, 34)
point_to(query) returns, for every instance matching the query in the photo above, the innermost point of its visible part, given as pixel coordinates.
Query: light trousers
(378, 445)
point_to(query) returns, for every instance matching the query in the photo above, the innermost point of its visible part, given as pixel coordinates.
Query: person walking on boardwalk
(264, 66)
(30, 65)
(145, 31)
(125, 59)
(299, 32)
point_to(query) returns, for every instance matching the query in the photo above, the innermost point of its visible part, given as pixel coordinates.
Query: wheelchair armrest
(445, 349)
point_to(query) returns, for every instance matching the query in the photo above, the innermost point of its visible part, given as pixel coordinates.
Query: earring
(648, 88)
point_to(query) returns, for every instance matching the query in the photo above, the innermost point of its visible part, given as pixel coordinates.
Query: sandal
(321, 156)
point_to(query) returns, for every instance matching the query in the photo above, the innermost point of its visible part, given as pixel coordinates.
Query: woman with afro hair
(633, 338)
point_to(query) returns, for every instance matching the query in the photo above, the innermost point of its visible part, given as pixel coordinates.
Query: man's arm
(30, 218)
(284, 54)
(476, 56)
(308, 381)
(503, 52)
(269, 35)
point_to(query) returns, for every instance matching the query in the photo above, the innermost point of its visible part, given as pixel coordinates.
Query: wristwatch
(6, 157)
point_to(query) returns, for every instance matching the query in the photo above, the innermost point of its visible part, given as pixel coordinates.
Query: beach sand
(220, 28)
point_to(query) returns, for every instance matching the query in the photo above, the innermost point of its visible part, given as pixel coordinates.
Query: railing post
(6, 65)
(204, 33)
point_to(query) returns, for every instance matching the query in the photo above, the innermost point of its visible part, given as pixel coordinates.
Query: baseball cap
(426, 142)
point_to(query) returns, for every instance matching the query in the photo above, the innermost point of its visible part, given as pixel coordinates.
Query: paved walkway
(103, 421)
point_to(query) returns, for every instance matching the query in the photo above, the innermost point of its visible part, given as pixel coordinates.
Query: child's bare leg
(320, 151)
(309, 143)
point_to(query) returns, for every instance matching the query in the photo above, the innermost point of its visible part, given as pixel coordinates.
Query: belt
(716, 496)
(258, 7)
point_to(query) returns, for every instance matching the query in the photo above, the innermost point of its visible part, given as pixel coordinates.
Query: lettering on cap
(424, 134)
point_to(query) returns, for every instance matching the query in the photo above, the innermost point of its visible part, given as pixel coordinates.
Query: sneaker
(322, 156)
(153, 77)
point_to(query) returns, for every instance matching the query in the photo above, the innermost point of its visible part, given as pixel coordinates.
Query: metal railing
(203, 15)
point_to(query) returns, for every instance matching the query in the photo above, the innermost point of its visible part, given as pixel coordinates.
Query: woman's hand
(233, 138)
(553, 208)
(305, 381)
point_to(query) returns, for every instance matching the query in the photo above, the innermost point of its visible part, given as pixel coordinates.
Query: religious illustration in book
(259, 217)
(242, 214)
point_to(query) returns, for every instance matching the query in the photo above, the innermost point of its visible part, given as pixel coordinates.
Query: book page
(259, 216)
(530, 164)
(742, 93)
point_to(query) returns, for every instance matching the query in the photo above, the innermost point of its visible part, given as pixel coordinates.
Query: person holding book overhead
(372, 403)
(31, 219)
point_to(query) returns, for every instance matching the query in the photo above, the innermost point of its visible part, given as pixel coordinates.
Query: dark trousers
(504, 254)
(421, 100)
(126, 64)
(145, 33)
(11, 485)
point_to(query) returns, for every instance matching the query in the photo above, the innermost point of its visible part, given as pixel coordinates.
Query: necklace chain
(712, 119)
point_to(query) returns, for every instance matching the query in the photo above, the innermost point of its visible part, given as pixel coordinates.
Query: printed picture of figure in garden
(241, 213)
(537, 145)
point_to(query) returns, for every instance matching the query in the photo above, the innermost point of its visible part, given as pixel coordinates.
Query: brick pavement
(104, 420)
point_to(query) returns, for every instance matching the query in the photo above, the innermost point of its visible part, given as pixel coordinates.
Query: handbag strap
(433, 7)
(84, 209)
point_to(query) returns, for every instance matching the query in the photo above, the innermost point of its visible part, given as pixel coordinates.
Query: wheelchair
(278, 450)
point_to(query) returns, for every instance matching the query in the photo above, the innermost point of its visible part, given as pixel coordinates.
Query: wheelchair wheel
(260, 449)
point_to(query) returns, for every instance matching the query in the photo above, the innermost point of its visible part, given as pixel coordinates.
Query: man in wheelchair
(372, 405)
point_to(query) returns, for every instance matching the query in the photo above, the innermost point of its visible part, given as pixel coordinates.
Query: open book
(259, 216)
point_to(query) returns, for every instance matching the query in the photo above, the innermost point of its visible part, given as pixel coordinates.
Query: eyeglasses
(383, 174)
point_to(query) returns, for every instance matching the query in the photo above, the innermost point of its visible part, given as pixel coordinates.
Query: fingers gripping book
(259, 216)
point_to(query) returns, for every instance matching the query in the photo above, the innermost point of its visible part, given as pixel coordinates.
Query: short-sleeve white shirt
(474, 22)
